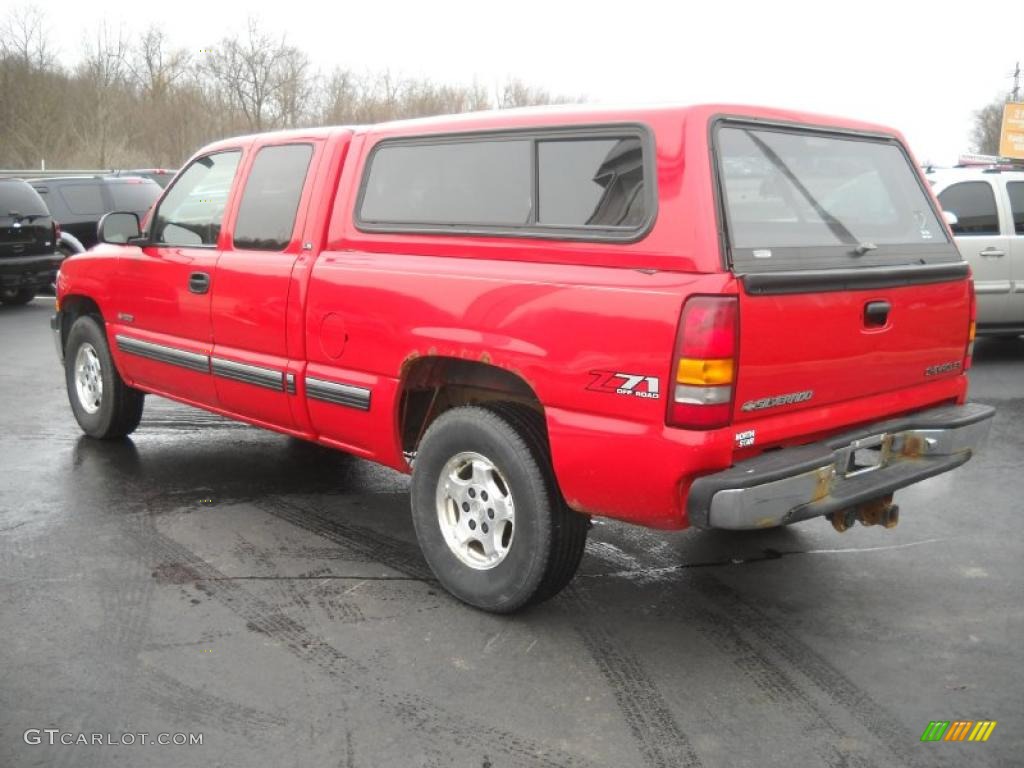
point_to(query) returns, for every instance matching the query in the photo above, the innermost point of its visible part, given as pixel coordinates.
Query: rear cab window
(803, 199)
(589, 183)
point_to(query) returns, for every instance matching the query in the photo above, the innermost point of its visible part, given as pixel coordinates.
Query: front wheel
(488, 514)
(104, 406)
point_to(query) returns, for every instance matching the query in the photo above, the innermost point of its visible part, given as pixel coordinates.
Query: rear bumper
(29, 270)
(793, 484)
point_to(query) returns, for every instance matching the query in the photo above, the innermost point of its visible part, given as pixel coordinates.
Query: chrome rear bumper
(793, 484)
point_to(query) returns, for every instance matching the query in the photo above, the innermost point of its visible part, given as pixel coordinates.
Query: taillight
(704, 363)
(972, 330)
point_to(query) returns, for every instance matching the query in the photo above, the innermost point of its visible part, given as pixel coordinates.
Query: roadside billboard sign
(1011, 139)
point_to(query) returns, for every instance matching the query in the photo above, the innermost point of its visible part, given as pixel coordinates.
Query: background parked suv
(989, 206)
(28, 252)
(77, 203)
(161, 176)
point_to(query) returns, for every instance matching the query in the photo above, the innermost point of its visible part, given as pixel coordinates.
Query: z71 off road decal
(630, 384)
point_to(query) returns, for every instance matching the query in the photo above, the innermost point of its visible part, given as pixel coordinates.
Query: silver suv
(988, 206)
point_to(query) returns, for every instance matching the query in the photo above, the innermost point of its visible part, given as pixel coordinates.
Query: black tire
(17, 296)
(548, 538)
(119, 407)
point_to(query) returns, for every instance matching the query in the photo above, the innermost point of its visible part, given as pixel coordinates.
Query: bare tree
(103, 73)
(516, 93)
(23, 37)
(153, 103)
(266, 80)
(293, 88)
(155, 67)
(988, 122)
(339, 98)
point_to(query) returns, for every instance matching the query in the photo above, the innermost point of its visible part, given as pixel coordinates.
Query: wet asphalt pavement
(210, 578)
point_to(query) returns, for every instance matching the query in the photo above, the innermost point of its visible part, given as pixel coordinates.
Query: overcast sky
(912, 65)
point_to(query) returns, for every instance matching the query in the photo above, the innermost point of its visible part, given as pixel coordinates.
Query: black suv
(79, 202)
(29, 259)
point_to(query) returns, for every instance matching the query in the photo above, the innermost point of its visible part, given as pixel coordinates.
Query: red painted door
(255, 287)
(161, 326)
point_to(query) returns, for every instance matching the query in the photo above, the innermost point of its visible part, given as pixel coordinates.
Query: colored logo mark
(958, 730)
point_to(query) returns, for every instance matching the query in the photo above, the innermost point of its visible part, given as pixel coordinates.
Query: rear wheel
(488, 514)
(17, 296)
(104, 406)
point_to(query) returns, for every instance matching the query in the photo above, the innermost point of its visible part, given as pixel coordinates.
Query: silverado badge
(777, 400)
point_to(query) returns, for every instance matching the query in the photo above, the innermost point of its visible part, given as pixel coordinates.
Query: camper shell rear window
(590, 183)
(797, 198)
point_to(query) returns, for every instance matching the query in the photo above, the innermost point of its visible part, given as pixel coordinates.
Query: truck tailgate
(806, 350)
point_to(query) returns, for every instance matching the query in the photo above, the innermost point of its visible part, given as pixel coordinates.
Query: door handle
(876, 313)
(992, 253)
(199, 282)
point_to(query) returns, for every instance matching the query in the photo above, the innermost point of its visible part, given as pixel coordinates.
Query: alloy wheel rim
(475, 510)
(88, 378)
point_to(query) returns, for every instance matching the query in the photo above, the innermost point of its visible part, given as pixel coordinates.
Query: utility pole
(1015, 93)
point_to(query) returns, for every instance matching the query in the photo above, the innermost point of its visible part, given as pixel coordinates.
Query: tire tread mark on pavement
(779, 686)
(293, 592)
(204, 708)
(394, 553)
(660, 740)
(439, 727)
(741, 616)
(875, 718)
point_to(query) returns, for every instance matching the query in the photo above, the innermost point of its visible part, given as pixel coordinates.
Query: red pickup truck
(714, 316)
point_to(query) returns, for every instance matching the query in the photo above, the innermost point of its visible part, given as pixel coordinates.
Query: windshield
(789, 189)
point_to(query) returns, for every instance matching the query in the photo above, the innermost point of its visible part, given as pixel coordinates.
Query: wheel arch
(433, 384)
(72, 307)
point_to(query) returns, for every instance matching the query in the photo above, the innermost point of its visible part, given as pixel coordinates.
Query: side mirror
(951, 218)
(118, 228)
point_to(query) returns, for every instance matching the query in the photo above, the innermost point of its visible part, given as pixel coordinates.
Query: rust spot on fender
(485, 357)
(409, 360)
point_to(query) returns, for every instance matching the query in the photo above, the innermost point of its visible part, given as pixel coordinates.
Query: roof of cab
(559, 115)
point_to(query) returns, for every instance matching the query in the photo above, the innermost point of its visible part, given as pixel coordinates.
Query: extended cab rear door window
(590, 183)
(191, 212)
(802, 199)
(270, 200)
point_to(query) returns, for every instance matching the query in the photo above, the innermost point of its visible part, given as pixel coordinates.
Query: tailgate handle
(876, 313)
